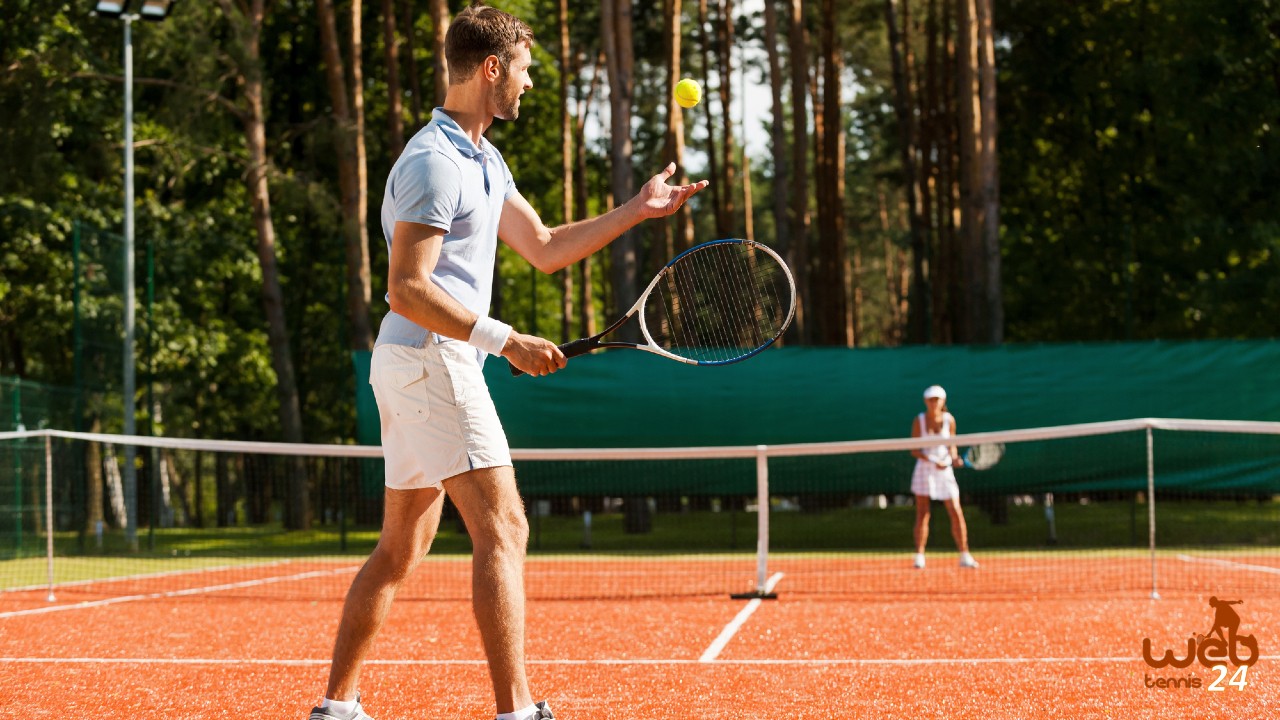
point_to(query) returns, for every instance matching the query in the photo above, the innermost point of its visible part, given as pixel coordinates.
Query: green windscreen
(802, 395)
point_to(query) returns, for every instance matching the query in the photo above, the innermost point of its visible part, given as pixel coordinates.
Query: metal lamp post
(148, 10)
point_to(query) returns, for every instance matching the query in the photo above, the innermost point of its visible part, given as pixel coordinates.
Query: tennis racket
(714, 304)
(981, 457)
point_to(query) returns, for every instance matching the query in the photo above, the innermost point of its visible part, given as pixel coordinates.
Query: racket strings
(718, 303)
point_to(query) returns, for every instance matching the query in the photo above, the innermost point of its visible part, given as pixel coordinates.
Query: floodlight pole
(130, 378)
(151, 10)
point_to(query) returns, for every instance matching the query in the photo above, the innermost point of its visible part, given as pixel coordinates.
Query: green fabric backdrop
(631, 399)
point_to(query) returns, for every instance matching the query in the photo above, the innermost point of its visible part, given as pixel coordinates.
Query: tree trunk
(254, 120)
(970, 116)
(93, 493)
(415, 79)
(777, 132)
(919, 319)
(990, 318)
(799, 257)
(891, 325)
(925, 90)
(566, 168)
(440, 24)
(615, 21)
(727, 223)
(949, 236)
(586, 295)
(709, 118)
(395, 110)
(673, 146)
(829, 292)
(348, 118)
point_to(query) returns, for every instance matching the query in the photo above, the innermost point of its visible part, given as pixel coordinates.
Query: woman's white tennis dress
(928, 479)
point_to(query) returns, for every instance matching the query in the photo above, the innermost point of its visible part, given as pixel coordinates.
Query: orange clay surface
(262, 651)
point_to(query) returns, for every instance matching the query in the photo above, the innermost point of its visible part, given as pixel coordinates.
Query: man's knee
(395, 560)
(503, 530)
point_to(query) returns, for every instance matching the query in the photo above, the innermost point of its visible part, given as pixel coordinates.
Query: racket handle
(570, 349)
(578, 347)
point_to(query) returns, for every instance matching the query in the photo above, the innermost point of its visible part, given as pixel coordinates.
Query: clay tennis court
(256, 643)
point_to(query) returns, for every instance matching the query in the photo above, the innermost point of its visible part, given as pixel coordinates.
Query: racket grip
(577, 347)
(570, 349)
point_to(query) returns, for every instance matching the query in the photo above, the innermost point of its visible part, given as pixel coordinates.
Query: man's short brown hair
(478, 32)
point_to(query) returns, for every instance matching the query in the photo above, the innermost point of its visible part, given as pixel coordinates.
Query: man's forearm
(423, 302)
(574, 241)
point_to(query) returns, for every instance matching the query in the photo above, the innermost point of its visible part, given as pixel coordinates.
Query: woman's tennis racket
(714, 304)
(981, 457)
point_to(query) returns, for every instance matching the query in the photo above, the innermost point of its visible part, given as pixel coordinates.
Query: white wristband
(489, 335)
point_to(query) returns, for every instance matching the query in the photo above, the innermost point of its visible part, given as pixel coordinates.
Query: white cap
(935, 391)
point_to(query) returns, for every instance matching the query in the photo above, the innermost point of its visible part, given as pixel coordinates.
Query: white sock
(342, 707)
(519, 714)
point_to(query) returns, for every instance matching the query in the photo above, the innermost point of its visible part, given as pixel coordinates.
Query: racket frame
(969, 452)
(580, 347)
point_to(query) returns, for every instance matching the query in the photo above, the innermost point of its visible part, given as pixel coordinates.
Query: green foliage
(1139, 159)
(1138, 154)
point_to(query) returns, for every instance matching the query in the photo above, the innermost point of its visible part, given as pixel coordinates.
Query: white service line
(179, 593)
(1230, 564)
(143, 576)
(734, 625)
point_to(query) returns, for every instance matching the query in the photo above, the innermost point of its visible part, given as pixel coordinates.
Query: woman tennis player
(934, 477)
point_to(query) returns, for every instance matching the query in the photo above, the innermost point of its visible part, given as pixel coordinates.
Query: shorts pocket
(400, 388)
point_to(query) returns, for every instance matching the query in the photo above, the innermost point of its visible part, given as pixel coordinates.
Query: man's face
(513, 83)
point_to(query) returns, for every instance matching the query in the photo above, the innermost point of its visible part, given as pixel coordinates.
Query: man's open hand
(658, 199)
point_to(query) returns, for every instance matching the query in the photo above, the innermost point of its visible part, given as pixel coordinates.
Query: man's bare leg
(409, 523)
(494, 514)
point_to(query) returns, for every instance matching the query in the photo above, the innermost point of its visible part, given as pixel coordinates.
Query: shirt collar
(455, 134)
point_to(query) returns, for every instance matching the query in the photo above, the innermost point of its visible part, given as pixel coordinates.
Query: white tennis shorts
(438, 420)
(934, 482)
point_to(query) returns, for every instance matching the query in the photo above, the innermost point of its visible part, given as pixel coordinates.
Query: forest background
(936, 172)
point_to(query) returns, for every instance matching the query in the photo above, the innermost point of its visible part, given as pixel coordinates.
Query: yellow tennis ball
(688, 93)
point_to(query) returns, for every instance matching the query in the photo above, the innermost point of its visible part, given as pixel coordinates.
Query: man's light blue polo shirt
(444, 180)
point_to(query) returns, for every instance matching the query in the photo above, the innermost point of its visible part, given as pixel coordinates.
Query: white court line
(179, 593)
(144, 576)
(1230, 565)
(308, 662)
(732, 628)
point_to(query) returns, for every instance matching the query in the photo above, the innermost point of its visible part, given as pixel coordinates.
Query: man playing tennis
(449, 198)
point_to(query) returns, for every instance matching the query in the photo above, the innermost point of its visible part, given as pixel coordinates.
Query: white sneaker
(967, 561)
(328, 713)
(919, 561)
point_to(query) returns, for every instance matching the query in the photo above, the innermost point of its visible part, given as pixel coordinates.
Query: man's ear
(492, 67)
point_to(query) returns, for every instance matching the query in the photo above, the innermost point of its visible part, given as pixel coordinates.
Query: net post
(1151, 509)
(762, 529)
(48, 510)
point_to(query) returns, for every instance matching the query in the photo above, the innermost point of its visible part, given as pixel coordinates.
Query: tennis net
(1141, 507)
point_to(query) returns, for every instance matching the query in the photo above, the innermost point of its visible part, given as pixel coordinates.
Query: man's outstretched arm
(552, 249)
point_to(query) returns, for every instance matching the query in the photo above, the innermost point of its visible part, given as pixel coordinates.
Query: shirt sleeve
(511, 182)
(428, 191)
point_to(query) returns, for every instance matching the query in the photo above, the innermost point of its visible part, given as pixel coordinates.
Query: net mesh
(1065, 511)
